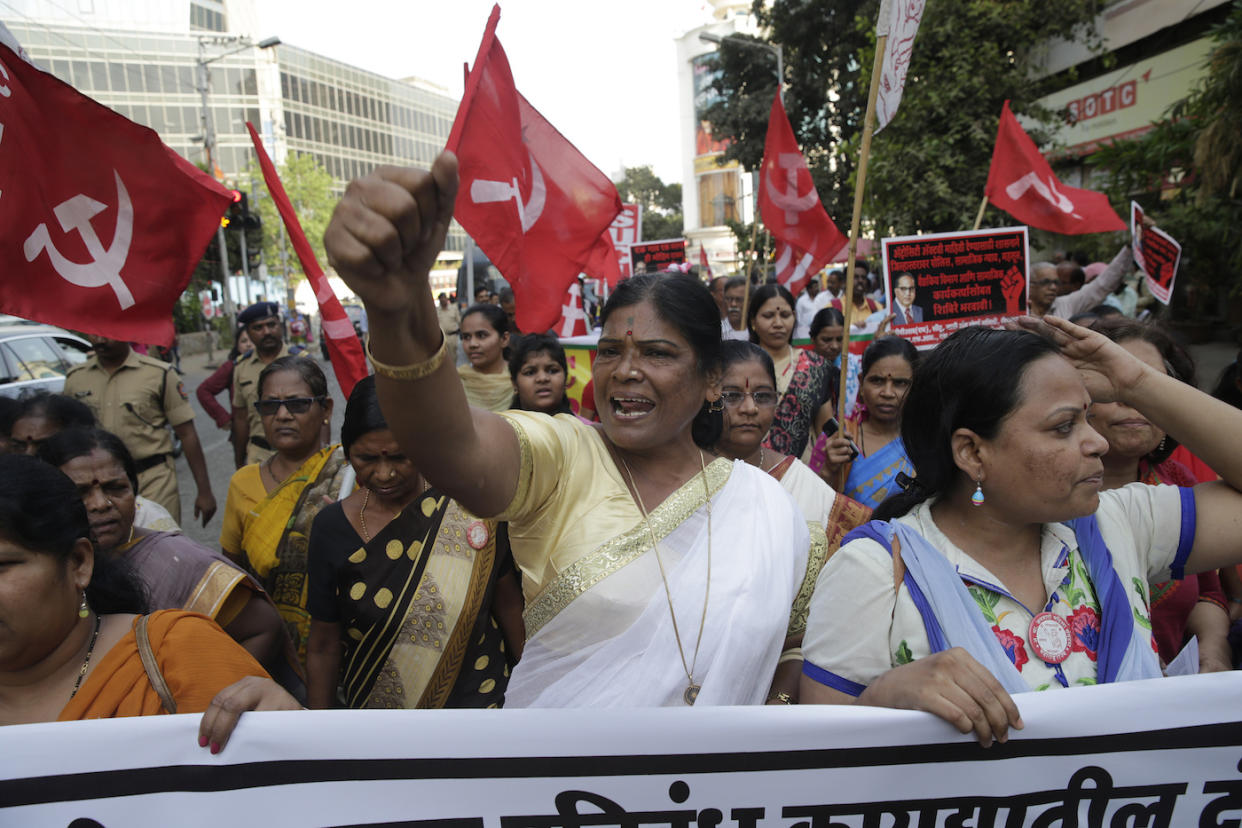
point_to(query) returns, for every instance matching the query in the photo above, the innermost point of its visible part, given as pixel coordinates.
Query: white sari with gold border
(600, 633)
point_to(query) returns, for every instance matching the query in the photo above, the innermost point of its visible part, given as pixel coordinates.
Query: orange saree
(197, 658)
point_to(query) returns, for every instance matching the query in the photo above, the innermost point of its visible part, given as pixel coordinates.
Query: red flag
(344, 350)
(102, 223)
(1021, 183)
(535, 205)
(604, 262)
(703, 261)
(806, 238)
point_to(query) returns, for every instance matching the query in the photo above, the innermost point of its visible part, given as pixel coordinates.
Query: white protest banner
(627, 229)
(1156, 253)
(1152, 753)
(940, 282)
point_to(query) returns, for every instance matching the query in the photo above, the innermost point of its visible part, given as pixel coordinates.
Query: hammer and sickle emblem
(789, 198)
(1048, 192)
(488, 192)
(105, 265)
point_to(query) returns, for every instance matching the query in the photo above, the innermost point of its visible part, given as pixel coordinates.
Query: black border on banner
(76, 787)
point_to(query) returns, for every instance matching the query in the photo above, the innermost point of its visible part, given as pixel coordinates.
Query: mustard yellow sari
(276, 532)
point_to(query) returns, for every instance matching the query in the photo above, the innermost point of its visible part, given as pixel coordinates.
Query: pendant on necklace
(691, 694)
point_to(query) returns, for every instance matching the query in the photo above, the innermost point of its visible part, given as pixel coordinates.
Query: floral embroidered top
(806, 390)
(859, 628)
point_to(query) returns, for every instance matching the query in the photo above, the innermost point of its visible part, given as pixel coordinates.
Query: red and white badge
(1050, 637)
(477, 535)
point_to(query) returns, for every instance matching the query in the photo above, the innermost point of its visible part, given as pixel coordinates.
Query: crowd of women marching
(1001, 514)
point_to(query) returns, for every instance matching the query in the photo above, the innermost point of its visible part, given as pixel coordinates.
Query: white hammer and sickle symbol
(789, 199)
(487, 192)
(105, 265)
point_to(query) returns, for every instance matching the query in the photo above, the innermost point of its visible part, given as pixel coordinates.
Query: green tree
(928, 167)
(661, 203)
(309, 187)
(1186, 173)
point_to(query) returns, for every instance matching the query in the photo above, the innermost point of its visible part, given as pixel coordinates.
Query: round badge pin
(1050, 637)
(477, 534)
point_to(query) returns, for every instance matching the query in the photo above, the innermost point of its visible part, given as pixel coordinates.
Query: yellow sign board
(1124, 103)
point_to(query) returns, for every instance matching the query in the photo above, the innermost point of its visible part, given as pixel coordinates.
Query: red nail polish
(202, 741)
(215, 747)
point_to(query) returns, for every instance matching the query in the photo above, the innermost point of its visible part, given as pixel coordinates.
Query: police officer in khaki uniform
(262, 323)
(136, 398)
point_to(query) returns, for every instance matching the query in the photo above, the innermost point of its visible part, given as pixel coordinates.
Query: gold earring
(83, 609)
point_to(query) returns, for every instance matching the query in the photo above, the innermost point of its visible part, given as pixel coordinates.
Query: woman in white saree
(685, 602)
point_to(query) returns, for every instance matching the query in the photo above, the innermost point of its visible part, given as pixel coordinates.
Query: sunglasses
(297, 405)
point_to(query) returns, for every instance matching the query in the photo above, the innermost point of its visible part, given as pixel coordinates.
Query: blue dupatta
(951, 617)
(873, 478)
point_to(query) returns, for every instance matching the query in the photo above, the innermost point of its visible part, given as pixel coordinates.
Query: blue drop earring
(976, 499)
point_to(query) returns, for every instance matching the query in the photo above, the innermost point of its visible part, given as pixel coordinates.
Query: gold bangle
(783, 698)
(792, 654)
(413, 371)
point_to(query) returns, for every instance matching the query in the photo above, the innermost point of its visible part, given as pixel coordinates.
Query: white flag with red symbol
(899, 19)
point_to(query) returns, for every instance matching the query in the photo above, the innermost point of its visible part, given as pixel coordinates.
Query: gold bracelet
(783, 698)
(413, 371)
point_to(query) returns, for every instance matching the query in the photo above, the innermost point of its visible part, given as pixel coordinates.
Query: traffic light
(250, 220)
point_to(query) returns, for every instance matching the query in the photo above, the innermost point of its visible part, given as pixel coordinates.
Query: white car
(36, 357)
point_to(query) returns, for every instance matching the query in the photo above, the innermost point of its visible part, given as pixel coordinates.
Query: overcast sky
(605, 74)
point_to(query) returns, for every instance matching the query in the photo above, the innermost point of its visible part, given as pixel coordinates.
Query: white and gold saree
(599, 631)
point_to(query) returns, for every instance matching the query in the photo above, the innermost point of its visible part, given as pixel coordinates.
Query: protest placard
(940, 282)
(1155, 753)
(654, 256)
(1156, 253)
(627, 230)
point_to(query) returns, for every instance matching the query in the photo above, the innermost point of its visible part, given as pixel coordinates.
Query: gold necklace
(362, 516)
(692, 690)
(362, 513)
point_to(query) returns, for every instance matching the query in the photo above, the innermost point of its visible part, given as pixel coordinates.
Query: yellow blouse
(245, 490)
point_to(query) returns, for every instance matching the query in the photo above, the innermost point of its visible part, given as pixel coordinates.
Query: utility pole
(209, 141)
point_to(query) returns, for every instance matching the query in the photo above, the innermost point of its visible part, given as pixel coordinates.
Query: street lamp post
(733, 39)
(209, 136)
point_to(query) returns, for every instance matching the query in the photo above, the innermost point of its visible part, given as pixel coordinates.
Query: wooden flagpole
(847, 304)
(983, 205)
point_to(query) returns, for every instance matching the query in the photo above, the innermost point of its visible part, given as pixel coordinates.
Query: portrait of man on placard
(905, 311)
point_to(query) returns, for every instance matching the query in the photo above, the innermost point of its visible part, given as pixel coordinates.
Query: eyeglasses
(905, 288)
(763, 399)
(297, 405)
(1048, 283)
